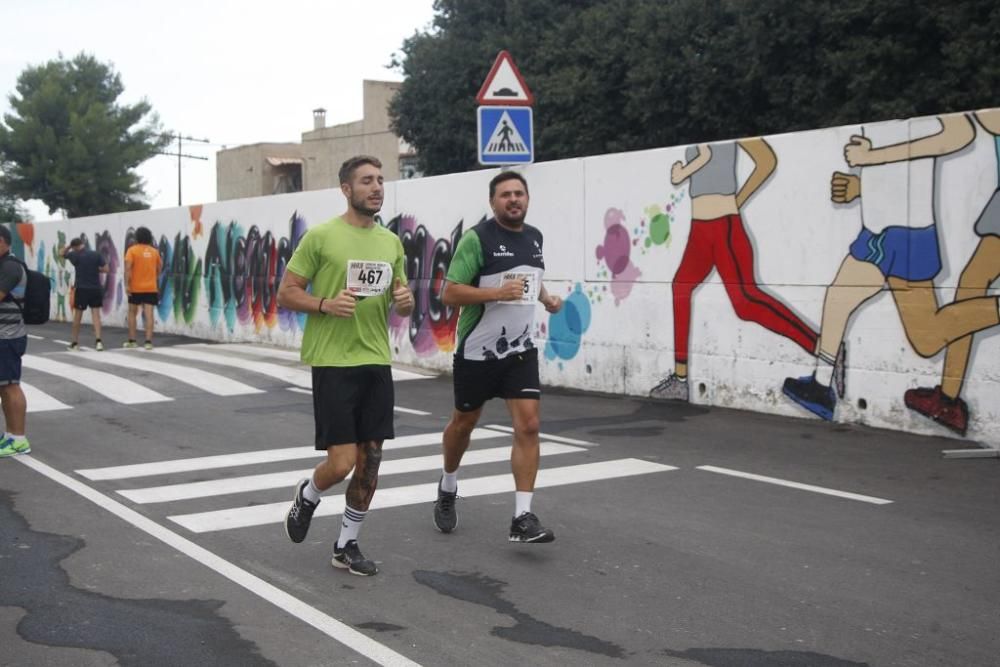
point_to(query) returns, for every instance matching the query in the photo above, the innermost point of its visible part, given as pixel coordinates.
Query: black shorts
(137, 298)
(11, 351)
(88, 297)
(352, 404)
(514, 376)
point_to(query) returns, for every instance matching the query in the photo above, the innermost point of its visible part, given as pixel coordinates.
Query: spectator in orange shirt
(142, 272)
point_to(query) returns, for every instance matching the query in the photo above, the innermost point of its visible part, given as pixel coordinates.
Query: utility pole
(181, 155)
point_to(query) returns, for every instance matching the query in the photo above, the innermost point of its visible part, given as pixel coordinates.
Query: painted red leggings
(723, 244)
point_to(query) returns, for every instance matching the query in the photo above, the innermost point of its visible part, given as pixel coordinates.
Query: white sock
(350, 525)
(17, 436)
(310, 492)
(449, 481)
(522, 502)
(824, 368)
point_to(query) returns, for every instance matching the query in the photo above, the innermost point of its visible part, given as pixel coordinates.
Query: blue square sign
(505, 135)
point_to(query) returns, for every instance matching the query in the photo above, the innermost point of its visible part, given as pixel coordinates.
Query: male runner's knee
(528, 425)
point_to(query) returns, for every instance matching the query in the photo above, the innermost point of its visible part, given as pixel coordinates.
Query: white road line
(257, 515)
(250, 458)
(398, 375)
(210, 382)
(408, 411)
(60, 341)
(228, 485)
(326, 624)
(796, 485)
(39, 401)
(34, 337)
(547, 436)
(295, 376)
(116, 388)
(411, 411)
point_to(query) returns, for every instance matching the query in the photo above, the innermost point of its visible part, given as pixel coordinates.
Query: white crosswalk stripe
(111, 386)
(257, 515)
(294, 376)
(213, 383)
(264, 456)
(39, 401)
(221, 487)
(398, 374)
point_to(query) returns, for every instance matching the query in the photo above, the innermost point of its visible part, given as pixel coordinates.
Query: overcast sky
(231, 72)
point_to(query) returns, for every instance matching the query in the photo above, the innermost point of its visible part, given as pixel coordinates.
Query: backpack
(34, 306)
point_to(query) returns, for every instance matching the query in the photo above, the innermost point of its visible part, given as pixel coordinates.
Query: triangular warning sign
(504, 85)
(505, 139)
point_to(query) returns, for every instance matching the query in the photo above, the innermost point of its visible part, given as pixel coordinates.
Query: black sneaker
(526, 528)
(445, 517)
(351, 559)
(300, 514)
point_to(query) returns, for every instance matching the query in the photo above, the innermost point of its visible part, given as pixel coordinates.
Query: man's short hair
(143, 235)
(351, 165)
(76, 243)
(506, 176)
(5, 234)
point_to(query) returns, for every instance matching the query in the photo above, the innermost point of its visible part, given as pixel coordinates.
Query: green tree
(10, 210)
(617, 75)
(69, 143)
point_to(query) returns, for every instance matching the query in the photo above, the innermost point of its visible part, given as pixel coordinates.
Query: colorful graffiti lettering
(431, 326)
(105, 246)
(242, 275)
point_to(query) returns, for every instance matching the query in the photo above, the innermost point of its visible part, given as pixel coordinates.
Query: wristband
(322, 299)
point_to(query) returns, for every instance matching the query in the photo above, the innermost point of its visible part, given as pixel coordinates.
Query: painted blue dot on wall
(566, 328)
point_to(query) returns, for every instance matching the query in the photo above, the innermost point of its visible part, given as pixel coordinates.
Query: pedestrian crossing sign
(505, 135)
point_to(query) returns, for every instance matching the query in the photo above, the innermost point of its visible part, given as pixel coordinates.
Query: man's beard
(362, 206)
(504, 218)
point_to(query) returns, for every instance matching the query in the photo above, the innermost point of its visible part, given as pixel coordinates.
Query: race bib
(368, 278)
(530, 295)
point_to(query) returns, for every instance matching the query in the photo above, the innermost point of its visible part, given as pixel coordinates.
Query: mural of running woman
(718, 240)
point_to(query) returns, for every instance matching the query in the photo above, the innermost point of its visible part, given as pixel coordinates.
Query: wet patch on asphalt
(137, 632)
(482, 590)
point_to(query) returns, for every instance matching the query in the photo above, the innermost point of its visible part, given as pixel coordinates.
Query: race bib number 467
(368, 278)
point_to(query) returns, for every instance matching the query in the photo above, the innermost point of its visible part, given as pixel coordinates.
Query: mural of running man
(896, 247)
(718, 240)
(943, 403)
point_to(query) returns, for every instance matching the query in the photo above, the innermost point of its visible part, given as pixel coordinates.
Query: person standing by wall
(142, 272)
(89, 264)
(13, 344)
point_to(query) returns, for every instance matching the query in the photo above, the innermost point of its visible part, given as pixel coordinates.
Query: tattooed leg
(362, 486)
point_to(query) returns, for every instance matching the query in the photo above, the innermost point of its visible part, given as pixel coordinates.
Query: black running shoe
(351, 559)
(445, 517)
(526, 528)
(300, 514)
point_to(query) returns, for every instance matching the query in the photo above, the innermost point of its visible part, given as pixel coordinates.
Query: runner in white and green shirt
(496, 277)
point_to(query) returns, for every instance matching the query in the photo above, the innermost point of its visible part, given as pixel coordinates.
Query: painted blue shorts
(901, 252)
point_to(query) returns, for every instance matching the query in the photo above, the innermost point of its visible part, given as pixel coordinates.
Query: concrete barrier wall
(843, 235)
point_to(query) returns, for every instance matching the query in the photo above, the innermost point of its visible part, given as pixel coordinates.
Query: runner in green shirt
(357, 272)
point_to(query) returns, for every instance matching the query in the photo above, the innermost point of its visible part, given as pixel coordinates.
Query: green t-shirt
(322, 257)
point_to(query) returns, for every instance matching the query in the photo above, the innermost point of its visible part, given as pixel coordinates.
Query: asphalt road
(123, 542)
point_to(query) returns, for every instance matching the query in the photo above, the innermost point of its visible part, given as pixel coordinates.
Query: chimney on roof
(319, 118)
